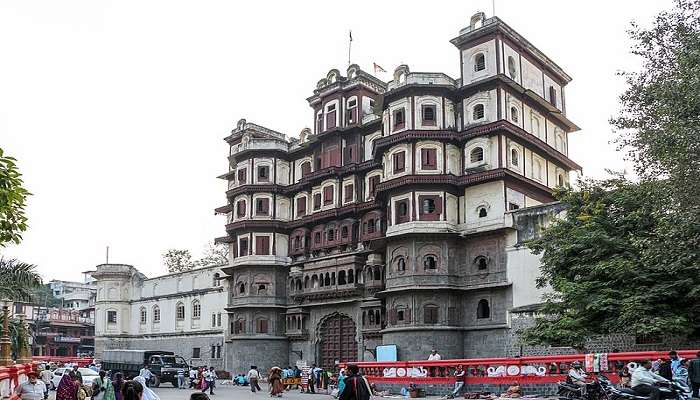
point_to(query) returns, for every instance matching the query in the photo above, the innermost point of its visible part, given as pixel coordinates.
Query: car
(88, 376)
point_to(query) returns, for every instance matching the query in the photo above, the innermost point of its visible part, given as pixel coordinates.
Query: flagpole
(349, 48)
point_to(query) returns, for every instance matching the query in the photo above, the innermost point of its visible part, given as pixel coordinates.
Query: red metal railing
(524, 370)
(11, 377)
(80, 361)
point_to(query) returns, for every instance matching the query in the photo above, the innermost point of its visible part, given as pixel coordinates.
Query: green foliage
(618, 260)
(12, 201)
(178, 260)
(660, 114)
(18, 280)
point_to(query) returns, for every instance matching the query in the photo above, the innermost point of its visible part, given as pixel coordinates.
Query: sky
(117, 110)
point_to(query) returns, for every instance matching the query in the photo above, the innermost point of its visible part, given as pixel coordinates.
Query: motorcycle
(676, 390)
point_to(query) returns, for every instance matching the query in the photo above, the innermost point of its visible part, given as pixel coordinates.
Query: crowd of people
(110, 385)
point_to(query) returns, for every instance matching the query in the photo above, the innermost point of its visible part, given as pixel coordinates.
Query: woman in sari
(148, 394)
(275, 382)
(68, 387)
(117, 384)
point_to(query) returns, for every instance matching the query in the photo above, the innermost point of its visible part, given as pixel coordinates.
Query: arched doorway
(337, 334)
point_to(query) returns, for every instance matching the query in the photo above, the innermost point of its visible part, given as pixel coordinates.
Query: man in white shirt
(253, 377)
(643, 381)
(33, 389)
(146, 374)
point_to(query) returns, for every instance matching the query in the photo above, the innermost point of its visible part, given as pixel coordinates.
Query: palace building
(399, 218)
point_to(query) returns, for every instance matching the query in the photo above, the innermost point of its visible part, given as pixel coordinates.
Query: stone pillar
(5, 341)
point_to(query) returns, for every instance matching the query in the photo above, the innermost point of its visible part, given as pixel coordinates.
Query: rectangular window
(263, 174)
(399, 119)
(402, 214)
(430, 315)
(262, 206)
(430, 207)
(243, 246)
(399, 162)
(428, 113)
(241, 176)
(196, 352)
(261, 326)
(301, 206)
(328, 195)
(111, 317)
(317, 201)
(428, 158)
(262, 245)
(373, 183)
(348, 195)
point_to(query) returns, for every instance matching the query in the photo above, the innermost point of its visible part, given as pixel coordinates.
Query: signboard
(387, 353)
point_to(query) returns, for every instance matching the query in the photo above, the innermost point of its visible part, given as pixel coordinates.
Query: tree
(13, 196)
(177, 260)
(625, 257)
(18, 280)
(214, 254)
(616, 262)
(659, 119)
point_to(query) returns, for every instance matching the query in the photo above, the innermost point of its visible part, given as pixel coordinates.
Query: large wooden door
(338, 341)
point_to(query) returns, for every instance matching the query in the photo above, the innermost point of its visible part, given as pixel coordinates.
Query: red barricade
(524, 370)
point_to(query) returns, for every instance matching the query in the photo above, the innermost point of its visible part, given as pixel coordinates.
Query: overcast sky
(116, 110)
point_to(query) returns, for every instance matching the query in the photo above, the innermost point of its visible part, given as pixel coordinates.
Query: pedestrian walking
(253, 378)
(209, 380)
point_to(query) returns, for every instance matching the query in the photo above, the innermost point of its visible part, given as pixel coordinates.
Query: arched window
(341, 278)
(511, 68)
(483, 310)
(180, 311)
(514, 157)
(476, 155)
(241, 288)
(514, 115)
(156, 314)
(262, 289)
(401, 265)
(478, 112)
(483, 212)
(479, 62)
(196, 309)
(143, 318)
(430, 262)
(482, 263)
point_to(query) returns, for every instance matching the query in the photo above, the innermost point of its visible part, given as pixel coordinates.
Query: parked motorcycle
(676, 390)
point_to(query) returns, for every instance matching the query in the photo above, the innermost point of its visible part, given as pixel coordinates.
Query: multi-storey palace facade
(392, 221)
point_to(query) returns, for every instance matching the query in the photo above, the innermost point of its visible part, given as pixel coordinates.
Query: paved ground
(228, 392)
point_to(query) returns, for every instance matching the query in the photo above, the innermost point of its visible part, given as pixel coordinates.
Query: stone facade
(399, 218)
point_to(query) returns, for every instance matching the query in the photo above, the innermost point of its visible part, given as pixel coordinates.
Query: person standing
(146, 374)
(68, 387)
(253, 378)
(33, 389)
(210, 380)
(356, 386)
(181, 379)
(459, 381)
(643, 381)
(694, 374)
(46, 375)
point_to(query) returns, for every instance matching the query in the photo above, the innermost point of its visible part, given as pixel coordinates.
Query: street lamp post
(5, 341)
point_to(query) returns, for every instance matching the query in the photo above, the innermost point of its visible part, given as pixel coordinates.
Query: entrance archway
(337, 334)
